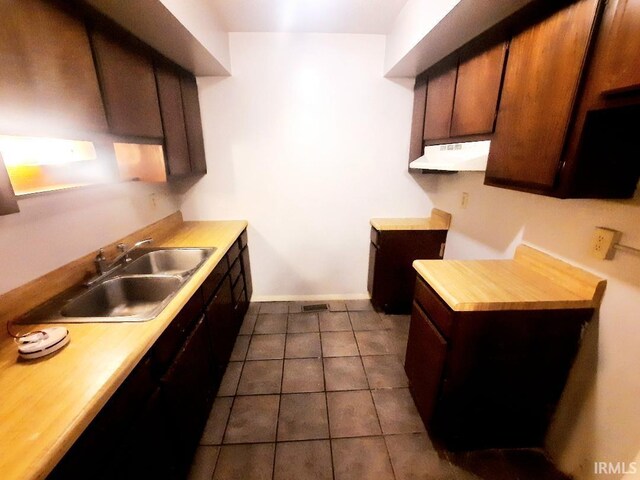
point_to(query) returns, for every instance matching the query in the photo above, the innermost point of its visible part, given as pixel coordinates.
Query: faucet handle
(100, 256)
(121, 247)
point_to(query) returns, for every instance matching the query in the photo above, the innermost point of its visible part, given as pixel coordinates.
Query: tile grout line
(375, 408)
(326, 403)
(275, 440)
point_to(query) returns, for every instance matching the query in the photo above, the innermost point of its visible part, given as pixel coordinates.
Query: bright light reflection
(22, 151)
(38, 164)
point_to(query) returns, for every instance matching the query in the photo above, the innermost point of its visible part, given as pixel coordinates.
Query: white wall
(56, 228)
(307, 141)
(599, 415)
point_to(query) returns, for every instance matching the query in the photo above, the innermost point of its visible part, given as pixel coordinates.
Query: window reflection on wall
(38, 164)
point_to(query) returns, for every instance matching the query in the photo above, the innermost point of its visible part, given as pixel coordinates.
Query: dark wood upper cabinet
(541, 82)
(441, 89)
(623, 52)
(477, 91)
(48, 82)
(417, 119)
(128, 87)
(457, 99)
(175, 133)
(193, 123)
(180, 108)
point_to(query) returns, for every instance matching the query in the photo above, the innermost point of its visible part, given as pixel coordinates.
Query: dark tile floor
(324, 396)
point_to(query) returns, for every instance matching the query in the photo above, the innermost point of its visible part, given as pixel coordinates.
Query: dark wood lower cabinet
(426, 354)
(220, 318)
(488, 379)
(391, 275)
(188, 393)
(151, 426)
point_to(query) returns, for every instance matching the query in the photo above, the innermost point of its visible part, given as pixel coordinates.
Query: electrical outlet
(603, 241)
(464, 203)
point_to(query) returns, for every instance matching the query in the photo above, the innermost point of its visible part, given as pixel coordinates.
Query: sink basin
(134, 292)
(173, 261)
(140, 296)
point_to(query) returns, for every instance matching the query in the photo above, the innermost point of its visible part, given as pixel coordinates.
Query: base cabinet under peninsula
(491, 376)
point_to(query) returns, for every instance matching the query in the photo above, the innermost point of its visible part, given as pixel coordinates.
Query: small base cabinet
(488, 379)
(151, 425)
(391, 276)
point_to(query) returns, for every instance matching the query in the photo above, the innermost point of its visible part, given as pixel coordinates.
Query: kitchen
(308, 140)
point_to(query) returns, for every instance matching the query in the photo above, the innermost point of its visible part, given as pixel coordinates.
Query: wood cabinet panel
(493, 379)
(391, 275)
(540, 85)
(246, 270)
(128, 87)
(48, 81)
(623, 54)
(187, 393)
(424, 363)
(175, 130)
(220, 320)
(416, 147)
(477, 91)
(193, 123)
(173, 337)
(439, 105)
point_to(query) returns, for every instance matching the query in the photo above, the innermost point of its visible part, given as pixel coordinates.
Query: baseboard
(309, 298)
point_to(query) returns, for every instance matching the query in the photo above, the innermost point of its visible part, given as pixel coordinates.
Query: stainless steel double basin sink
(135, 291)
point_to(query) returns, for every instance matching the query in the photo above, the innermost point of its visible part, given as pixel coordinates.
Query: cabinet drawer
(435, 308)
(233, 252)
(236, 270)
(374, 236)
(175, 334)
(210, 285)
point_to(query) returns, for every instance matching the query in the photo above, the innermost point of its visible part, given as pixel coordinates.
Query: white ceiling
(309, 16)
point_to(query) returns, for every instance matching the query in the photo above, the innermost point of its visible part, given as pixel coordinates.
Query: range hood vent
(454, 157)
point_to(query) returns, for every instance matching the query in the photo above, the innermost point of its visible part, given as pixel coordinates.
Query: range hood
(454, 157)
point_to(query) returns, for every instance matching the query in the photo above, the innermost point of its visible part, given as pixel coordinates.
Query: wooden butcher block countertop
(533, 280)
(439, 220)
(46, 404)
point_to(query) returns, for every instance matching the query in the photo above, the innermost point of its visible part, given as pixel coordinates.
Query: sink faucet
(102, 267)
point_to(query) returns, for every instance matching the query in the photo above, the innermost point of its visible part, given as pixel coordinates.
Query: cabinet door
(220, 320)
(175, 130)
(439, 106)
(424, 363)
(477, 91)
(173, 337)
(623, 54)
(187, 392)
(47, 81)
(193, 123)
(416, 149)
(541, 80)
(128, 88)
